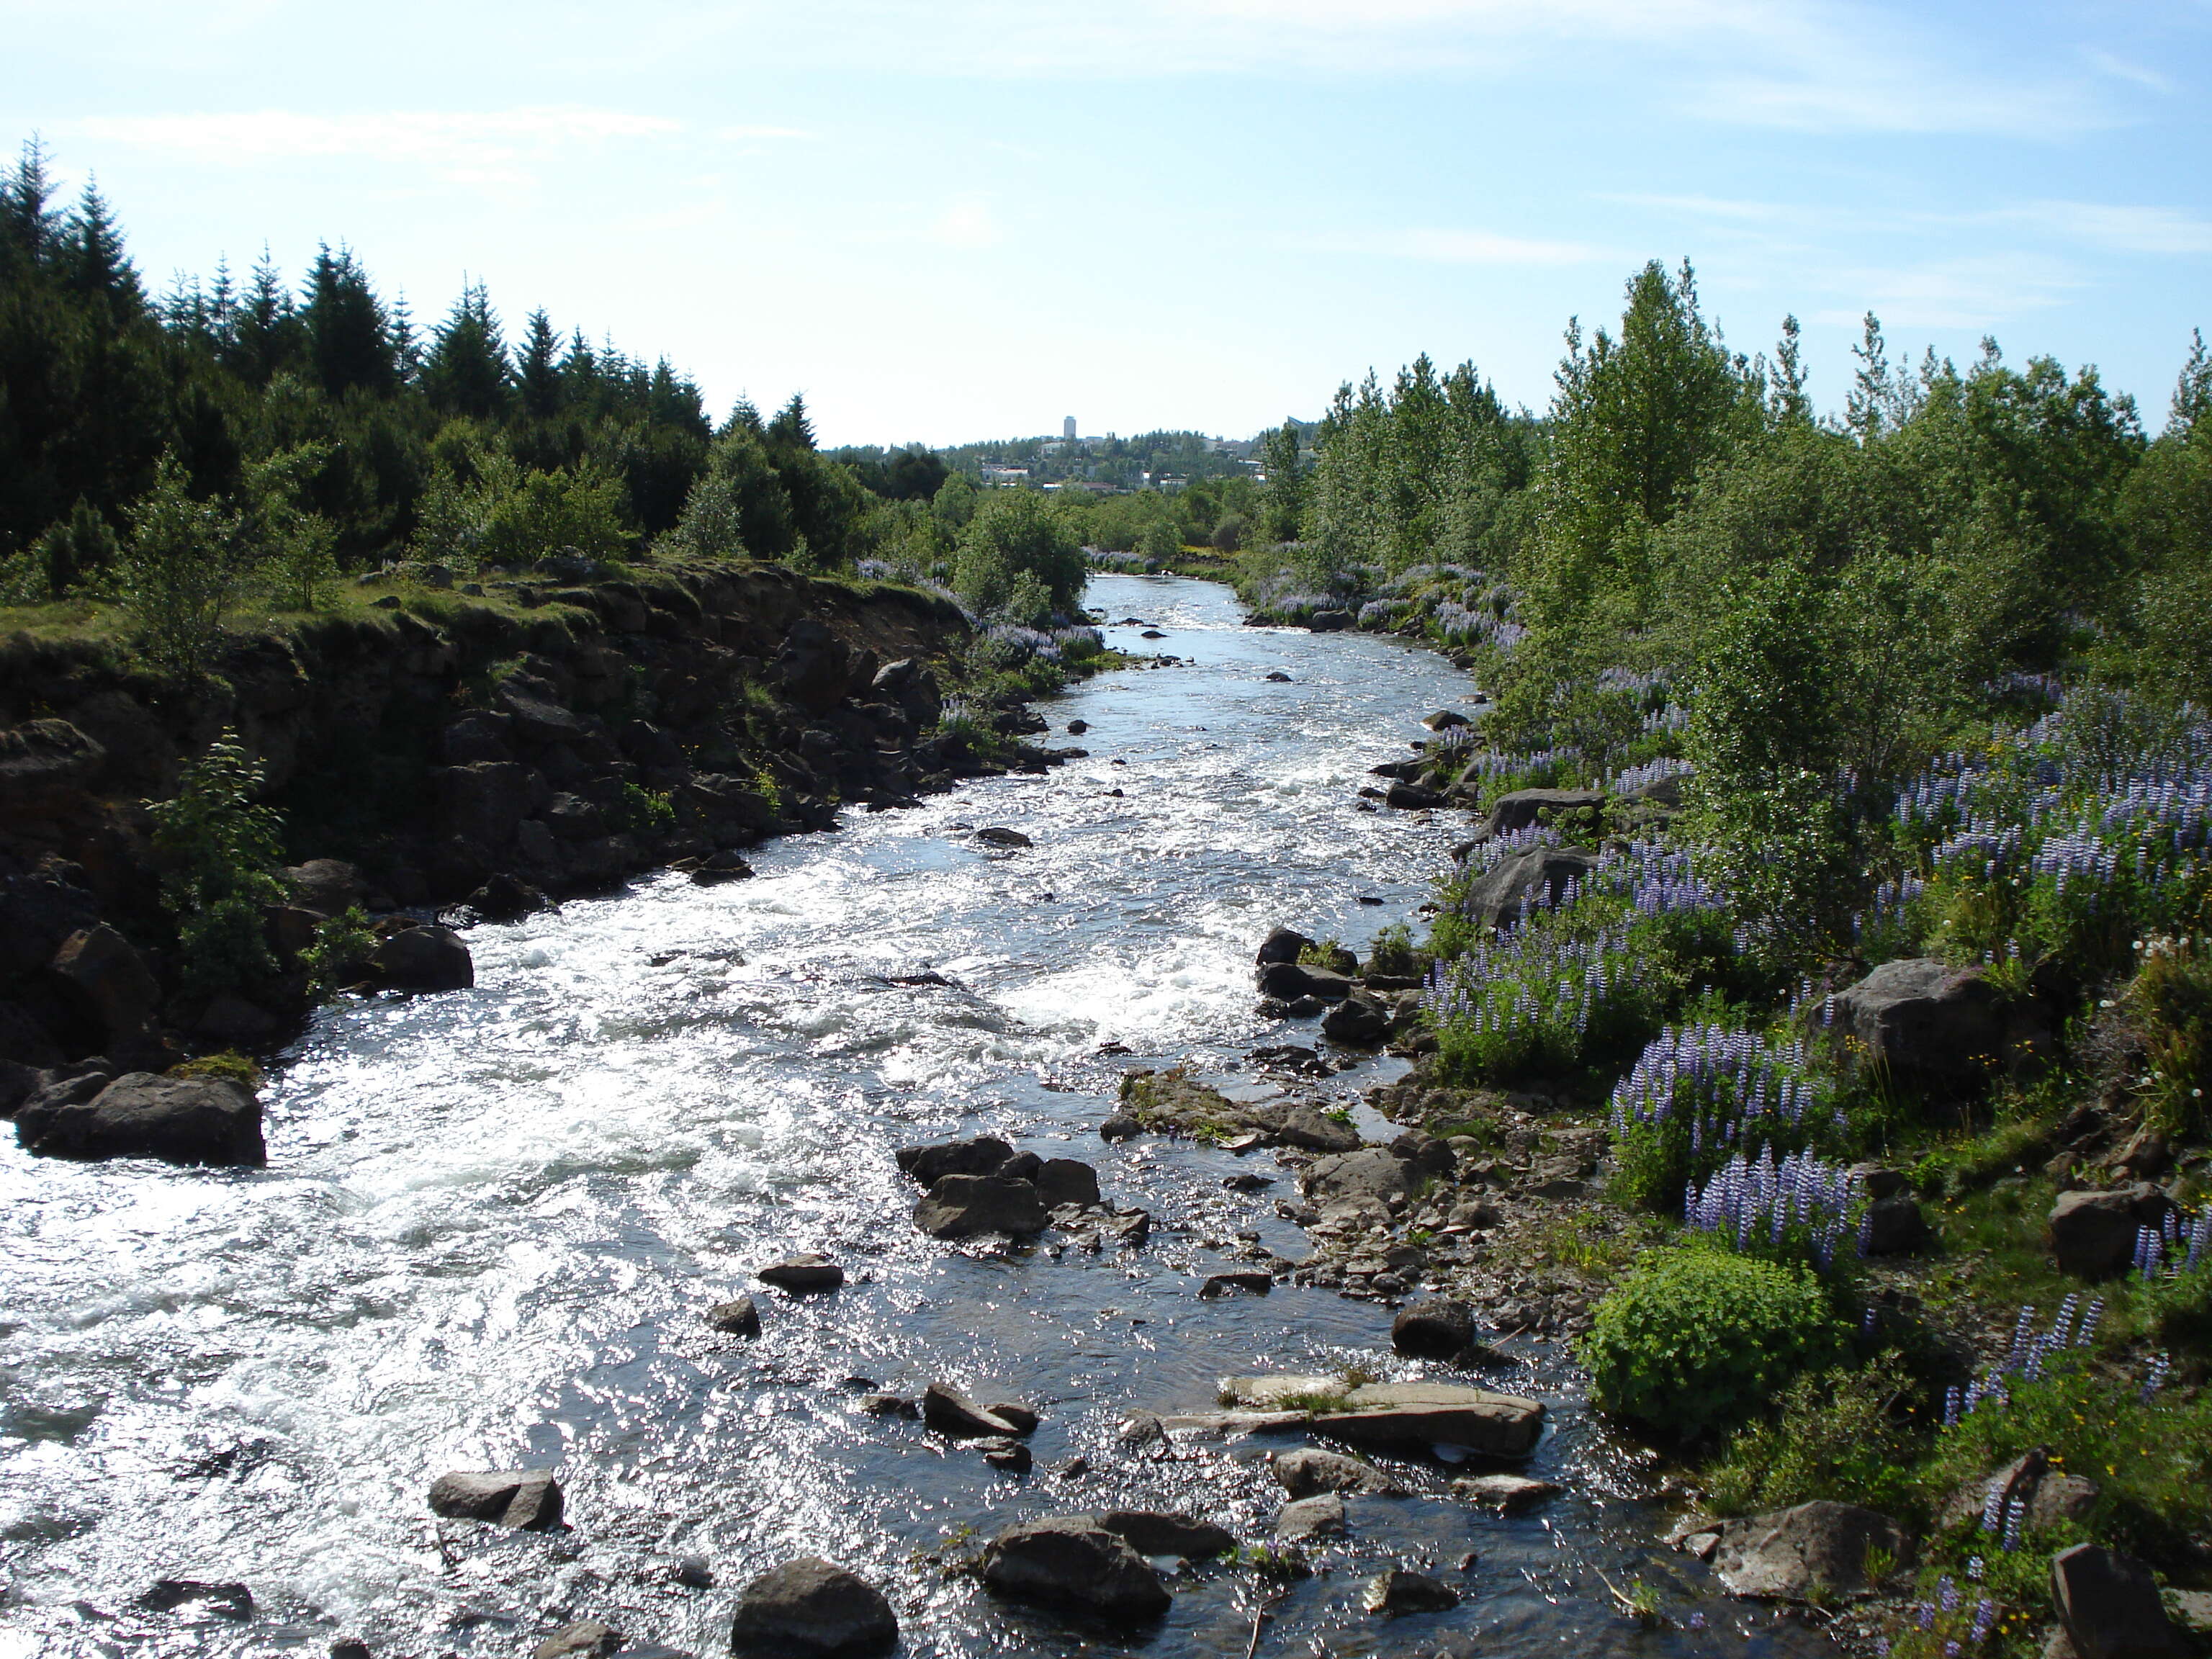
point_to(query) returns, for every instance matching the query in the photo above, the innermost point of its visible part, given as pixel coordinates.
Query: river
(491, 1220)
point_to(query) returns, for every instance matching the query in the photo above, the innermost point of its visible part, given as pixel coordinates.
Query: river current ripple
(491, 1220)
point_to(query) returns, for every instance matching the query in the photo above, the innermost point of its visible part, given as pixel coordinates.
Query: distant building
(1005, 475)
(1068, 429)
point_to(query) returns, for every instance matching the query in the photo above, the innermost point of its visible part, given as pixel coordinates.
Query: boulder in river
(1220, 1285)
(1289, 981)
(1067, 1181)
(998, 835)
(1309, 1470)
(230, 1600)
(1371, 1172)
(929, 1164)
(587, 1640)
(1072, 1562)
(1401, 1416)
(736, 1318)
(529, 1499)
(423, 959)
(1816, 1548)
(1436, 1327)
(811, 1608)
(1359, 1021)
(1282, 944)
(140, 1115)
(1307, 1128)
(966, 1207)
(802, 1275)
(1156, 1532)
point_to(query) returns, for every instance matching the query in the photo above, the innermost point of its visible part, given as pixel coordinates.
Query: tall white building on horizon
(1068, 429)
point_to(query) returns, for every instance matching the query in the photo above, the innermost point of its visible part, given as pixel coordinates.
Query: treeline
(1682, 504)
(262, 427)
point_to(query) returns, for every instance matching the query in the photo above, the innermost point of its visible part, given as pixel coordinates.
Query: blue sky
(968, 218)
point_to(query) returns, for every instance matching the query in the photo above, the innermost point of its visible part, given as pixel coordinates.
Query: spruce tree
(537, 368)
(467, 371)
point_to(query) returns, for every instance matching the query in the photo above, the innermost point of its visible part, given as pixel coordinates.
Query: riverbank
(1520, 1196)
(538, 735)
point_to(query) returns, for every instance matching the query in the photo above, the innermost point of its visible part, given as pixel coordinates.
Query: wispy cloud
(473, 146)
(2120, 69)
(1976, 292)
(2122, 229)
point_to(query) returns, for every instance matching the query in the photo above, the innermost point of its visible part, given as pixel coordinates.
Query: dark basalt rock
(528, 1500)
(1070, 1562)
(178, 1120)
(811, 1608)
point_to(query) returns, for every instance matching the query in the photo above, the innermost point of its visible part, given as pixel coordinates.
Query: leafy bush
(648, 812)
(180, 569)
(1020, 559)
(1393, 951)
(1695, 1340)
(1837, 1436)
(218, 854)
(2170, 1005)
(335, 957)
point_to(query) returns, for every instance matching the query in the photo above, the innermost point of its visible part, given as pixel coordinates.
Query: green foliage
(2152, 1459)
(648, 812)
(218, 854)
(1020, 560)
(1695, 1341)
(1393, 952)
(1837, 1435)
(2176, 1309)
(2169, 1004)
(179, 570)
(341, 948)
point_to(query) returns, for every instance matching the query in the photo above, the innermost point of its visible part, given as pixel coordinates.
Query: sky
(951, 219)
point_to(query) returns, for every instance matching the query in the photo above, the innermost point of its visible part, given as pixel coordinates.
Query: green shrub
(2179, 1309)
(1696, 1340)
(340, 950)
(648, 812)
(2170, 1004)
(1393, 951)
(1837, 1436)
(217, 852)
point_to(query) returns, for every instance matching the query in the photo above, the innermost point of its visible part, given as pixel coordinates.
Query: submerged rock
(1319, 1516)
(811, 1608)
(588, 1640)
(529, 1499)
(1071, 1562)
(1157, 1532)
(1399, 1592)
(1507, 1493)
(1400, 1415)
(948, 1411)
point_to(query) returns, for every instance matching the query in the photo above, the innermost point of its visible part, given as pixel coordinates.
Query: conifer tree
(467, 373)
(538, 369)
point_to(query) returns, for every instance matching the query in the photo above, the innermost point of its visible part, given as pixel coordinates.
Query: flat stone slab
(1399, 1414)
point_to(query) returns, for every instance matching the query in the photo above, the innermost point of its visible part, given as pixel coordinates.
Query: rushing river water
(491, 1220)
